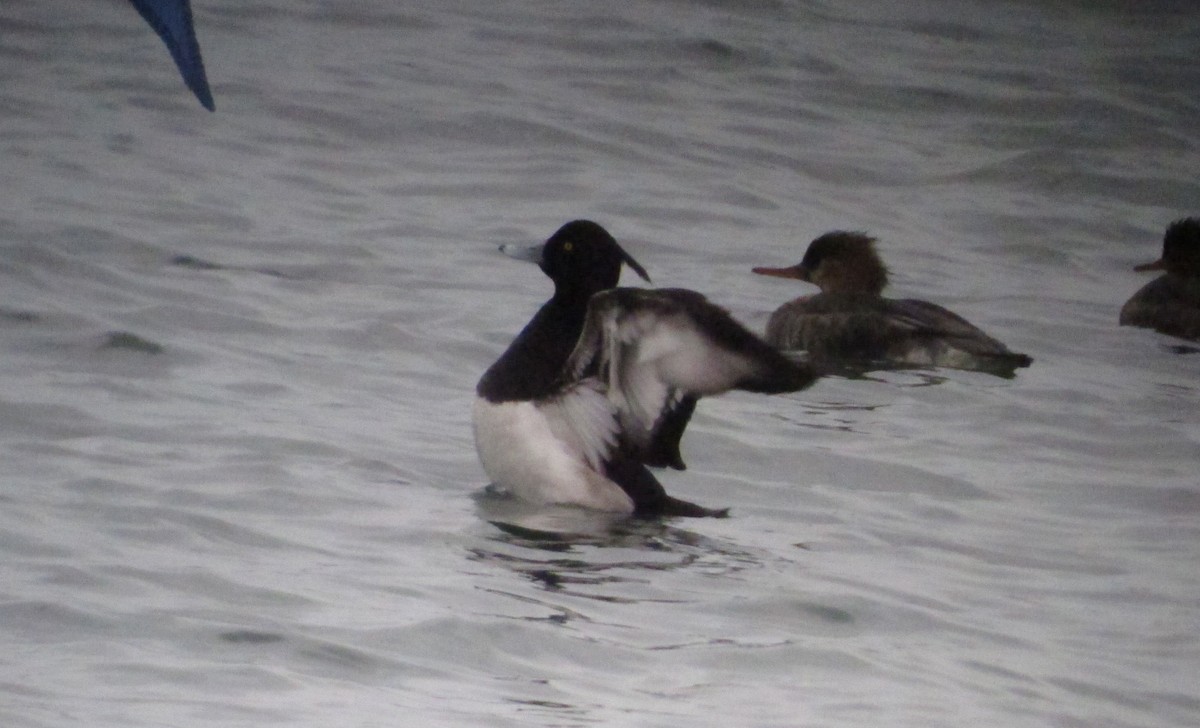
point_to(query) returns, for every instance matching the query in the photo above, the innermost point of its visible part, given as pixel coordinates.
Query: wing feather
(585, 420)
(656, 352)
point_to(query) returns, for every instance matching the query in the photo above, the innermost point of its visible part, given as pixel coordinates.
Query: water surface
(238, 353)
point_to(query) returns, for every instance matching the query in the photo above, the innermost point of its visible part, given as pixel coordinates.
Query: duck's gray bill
(527, 253)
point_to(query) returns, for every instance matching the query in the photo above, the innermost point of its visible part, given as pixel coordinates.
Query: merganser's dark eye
(568, 247)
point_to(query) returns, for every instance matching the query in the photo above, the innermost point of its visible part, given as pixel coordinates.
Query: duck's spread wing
(658, 351)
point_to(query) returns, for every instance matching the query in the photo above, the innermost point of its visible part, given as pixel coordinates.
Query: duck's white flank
(550, 451)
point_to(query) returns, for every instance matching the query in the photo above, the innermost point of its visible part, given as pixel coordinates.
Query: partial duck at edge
(850, 324)
(602, 382)
(1170, 304)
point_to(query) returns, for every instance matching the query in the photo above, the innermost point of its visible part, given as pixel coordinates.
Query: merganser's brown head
(1181, 249)
(838, 262)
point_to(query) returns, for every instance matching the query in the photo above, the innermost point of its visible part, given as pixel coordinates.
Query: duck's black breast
(531, 366)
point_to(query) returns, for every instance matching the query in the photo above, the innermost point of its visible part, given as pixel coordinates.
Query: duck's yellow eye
(568, 247)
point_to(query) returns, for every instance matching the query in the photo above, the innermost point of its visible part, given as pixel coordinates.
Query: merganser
(850, 322)
(1170, 304)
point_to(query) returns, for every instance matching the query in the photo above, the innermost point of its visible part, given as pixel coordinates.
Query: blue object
(172, 20)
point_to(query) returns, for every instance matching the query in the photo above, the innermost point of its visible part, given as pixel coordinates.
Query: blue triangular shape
(172, 20)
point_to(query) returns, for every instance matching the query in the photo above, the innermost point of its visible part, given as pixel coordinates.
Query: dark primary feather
(662, 450)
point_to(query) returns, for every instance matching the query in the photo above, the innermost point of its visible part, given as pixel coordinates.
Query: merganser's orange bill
(797, 272)
(1156, 265)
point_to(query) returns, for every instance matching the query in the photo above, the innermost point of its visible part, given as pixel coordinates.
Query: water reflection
(878, 372)
(599, 556)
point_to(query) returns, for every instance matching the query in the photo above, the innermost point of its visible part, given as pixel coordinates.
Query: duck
(601, 383)
(850, 324)
(1170, 304)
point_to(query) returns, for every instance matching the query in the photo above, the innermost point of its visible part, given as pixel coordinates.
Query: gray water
(238, 353)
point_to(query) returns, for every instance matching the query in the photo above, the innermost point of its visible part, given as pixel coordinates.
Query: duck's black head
(582, 259)
(1181, 249)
